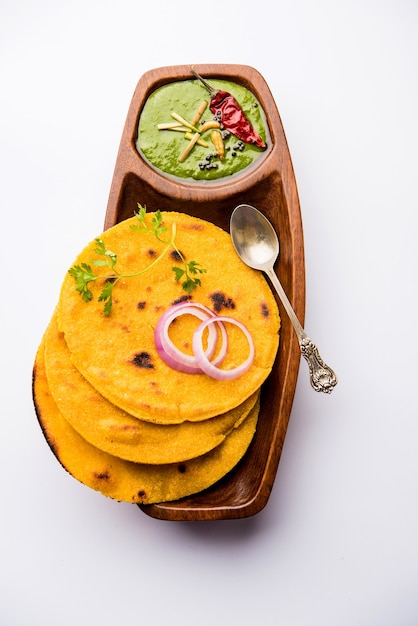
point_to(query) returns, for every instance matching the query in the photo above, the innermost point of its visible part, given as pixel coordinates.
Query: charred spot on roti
(151, 252)
(144, 360)
(141, 305)
(110, 279)
(185, 298)
(193, 226)
(264, 310)
(221, 301)
(176, 255)
(141, 495)
(102, 476)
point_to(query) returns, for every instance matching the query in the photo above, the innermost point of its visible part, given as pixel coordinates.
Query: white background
(337, 543)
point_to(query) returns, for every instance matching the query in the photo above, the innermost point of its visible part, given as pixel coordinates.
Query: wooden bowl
(270, 186)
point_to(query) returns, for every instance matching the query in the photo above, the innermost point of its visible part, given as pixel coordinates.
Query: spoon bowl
(253, 237)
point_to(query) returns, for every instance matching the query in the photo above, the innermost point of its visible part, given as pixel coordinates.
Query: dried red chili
(232, 116)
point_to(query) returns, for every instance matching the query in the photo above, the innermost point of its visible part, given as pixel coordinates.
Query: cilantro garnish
(83, 274)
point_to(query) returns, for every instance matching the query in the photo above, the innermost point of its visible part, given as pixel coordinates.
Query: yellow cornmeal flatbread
(124, 480)
(117, 354)
(112, 430)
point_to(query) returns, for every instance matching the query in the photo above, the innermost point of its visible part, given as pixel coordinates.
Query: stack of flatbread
(116, 416)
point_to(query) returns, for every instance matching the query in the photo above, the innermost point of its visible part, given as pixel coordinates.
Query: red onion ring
(173, 356)
(210, 368)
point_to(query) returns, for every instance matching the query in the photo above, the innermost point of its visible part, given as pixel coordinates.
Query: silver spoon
(257, 244)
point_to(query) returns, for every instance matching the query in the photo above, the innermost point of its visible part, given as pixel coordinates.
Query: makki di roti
(109, 350)
(112, 430)
(117, 417)
(133, 482)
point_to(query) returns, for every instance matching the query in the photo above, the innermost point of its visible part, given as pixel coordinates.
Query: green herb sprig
(84, 274)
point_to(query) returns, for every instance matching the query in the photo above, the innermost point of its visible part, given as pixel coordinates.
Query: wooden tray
(270, 186)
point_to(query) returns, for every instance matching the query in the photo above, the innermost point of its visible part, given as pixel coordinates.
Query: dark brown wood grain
(271, 187)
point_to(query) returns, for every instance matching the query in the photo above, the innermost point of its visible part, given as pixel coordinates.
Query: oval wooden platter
(270, 186)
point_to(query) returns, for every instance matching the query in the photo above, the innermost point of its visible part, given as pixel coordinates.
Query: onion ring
(210, 368)
(173, 356)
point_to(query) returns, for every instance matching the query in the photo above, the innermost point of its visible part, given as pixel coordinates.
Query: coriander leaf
(178, 272)
(142, 212)
(141, 215)
(190, 284)
(100, 247)
(195, 268)
(106, 297)
(107, 291)
(157, 224)
(110, 257)
(107, 309)
(83, 275)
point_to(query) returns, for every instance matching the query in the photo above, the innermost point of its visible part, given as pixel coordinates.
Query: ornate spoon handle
(322, 376)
